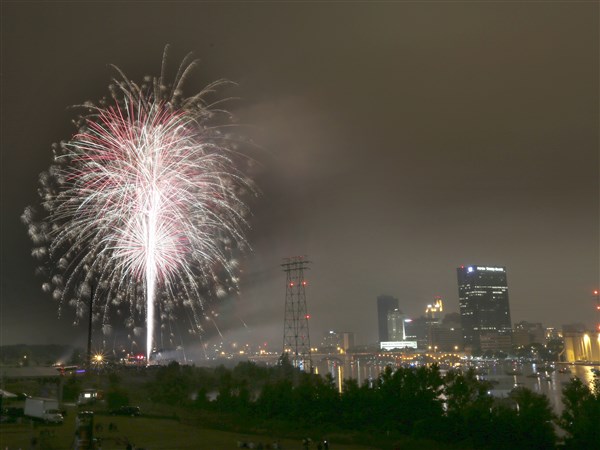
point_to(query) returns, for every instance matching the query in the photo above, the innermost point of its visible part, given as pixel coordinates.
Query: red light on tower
(596, 292)
(296, 339)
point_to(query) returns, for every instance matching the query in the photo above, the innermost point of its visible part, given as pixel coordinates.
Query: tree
(71, 389)
(173, 384)
(464, 390)
(468, 408)
(581, 416)
(286, 369)
(533, 420)
(554, 348)
(114, 379)
(275, 400)
(408, 395)
(116, 397)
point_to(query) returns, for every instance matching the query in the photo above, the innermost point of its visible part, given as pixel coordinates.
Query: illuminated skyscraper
(434, 312)
(484, 309)
(395, 324)
(433, 318)
(385, 304)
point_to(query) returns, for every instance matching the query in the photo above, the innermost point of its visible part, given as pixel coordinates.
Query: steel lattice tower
(296, 339)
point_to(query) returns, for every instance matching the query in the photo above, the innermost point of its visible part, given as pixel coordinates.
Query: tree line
(419, 402)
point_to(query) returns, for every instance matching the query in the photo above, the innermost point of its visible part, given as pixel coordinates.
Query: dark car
(14, 412)
(11, 414)
(126, 411)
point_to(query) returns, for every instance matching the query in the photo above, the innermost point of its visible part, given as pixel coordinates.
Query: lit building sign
(391, 345)
(491, 269)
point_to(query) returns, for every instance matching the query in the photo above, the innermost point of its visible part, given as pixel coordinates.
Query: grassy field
(142, 432)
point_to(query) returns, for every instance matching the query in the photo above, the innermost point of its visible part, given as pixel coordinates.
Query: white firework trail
(146, 202)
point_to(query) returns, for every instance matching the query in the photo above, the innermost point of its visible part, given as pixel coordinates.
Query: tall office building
(334, 341)
(433, 317)
(395, 320)
(434, 312)
(385, 304)
(484, 309)
(526, 333)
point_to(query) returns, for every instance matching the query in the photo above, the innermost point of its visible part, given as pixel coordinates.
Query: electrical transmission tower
(296, 340)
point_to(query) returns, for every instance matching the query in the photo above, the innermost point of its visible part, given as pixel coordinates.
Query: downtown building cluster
(483, 323)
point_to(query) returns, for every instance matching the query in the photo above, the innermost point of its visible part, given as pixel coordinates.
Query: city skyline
(410, 140)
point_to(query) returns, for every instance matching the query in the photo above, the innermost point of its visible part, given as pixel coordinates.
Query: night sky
(399, 141)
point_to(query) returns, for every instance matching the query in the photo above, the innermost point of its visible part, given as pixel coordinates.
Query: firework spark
(145, 200)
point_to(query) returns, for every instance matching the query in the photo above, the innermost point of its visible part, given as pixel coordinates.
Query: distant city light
(391, 345)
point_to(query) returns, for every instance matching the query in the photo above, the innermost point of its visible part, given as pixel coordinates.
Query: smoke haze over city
(399, 141)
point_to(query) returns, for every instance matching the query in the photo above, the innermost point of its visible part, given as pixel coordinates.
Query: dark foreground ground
(162, 433)
(146, 433)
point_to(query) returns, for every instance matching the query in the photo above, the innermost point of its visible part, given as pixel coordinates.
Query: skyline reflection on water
(505, 375)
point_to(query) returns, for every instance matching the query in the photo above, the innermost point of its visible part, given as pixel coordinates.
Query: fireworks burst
(145, 201)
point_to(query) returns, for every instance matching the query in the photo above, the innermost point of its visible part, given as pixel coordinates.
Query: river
(505, 375)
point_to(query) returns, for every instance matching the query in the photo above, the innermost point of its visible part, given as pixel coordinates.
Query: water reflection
(504, 376)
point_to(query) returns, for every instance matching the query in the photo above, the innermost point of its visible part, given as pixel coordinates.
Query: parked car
(126, 411)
